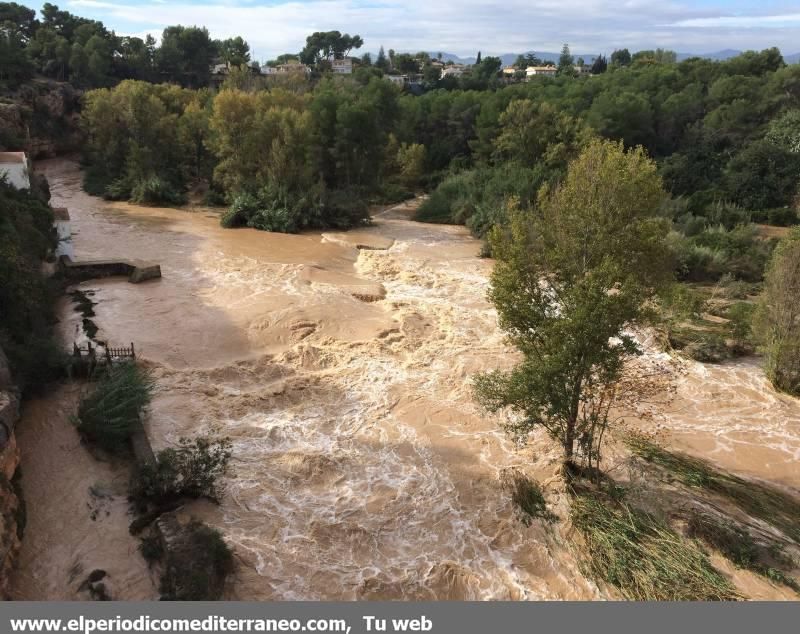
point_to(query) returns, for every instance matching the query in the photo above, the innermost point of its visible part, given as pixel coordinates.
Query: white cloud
(463, 27)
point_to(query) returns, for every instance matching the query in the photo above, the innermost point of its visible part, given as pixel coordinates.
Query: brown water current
(340, 365)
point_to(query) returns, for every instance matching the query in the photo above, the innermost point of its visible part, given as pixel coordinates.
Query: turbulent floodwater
(361, 466)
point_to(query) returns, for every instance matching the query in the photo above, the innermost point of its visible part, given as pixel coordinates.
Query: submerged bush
(109, 414)
(527, 496)
(197, 564)
(190, 470)
(277, 209)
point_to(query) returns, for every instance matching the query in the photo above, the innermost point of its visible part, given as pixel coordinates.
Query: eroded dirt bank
(362, 467)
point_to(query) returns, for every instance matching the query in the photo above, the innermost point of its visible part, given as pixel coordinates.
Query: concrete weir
(136, 271)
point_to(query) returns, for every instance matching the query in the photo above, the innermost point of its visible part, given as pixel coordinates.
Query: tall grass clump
(108, 415)
(758, 500)
(737, 545)
(642, 557)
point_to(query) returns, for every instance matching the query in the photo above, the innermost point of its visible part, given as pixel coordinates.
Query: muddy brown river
(340, 366)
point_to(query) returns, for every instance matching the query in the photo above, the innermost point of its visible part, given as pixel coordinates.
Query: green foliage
(109, 414)
(477, 198)
(26, 299)
(151, 549)
(140, 145)
(714, 251)
(642, 557)
(527, 496)
(571, 276)
(190, 470)
(776, 323)
(197, 565)
(329, 45)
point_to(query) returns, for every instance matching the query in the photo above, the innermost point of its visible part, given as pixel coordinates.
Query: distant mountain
(510, 58)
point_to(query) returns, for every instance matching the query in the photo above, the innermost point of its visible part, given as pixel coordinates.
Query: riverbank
(362, 467)
(77, 511)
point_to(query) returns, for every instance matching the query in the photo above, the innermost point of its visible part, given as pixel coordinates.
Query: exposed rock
(41, 118)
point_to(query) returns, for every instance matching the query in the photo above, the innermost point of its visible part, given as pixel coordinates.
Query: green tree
(600, 65)
(566, 62)
(16, 66)
(329, 45)
(570, 279)
(21, 18)
(621, 57)
(530, 133)
(186, 55)
(234, 51)
(777, 320)
(381, 61)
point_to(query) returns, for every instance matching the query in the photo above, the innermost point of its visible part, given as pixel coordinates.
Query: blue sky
(464, 26)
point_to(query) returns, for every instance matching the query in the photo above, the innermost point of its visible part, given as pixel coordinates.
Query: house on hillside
(456, 70)
(540, 71)
(15, 167)
(342, 66)
(399, 80)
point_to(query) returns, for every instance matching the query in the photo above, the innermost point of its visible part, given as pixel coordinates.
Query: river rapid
(340, 366)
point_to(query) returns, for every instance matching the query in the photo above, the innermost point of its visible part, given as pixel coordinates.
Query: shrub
(740, 315)
(191, 470)
(778, 217)
(641, 556)
(109, 414)
(198, 562)
(776, 323)
(155, 190)
(151, 549)
(527, 496)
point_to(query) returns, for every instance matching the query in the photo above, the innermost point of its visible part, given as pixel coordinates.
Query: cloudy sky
(462, 27)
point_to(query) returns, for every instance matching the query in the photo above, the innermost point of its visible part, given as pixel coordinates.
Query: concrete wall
(89, 269)
(17, 174)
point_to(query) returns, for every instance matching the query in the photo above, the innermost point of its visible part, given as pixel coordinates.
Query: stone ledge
(135, 270)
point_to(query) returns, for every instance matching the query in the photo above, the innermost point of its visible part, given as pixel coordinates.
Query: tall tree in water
(571, 277)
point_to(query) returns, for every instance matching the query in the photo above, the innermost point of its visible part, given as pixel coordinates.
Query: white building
(342, 66)
(400, 80)
(453, 71)
(542, 71)
(16, 169)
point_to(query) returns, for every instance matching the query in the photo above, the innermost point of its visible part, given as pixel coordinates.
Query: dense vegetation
(27, 237)
(314, 151)
(108, 415)
(777, 321)
(84, 52)
(571, 278)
